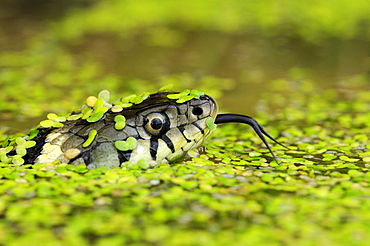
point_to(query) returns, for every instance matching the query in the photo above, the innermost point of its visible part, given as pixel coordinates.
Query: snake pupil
(156, 123)
(197, 111)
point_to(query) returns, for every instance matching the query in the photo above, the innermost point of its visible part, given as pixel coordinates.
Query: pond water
(250, 61)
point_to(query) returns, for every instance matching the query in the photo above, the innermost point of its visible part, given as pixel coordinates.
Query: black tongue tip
(238, 118)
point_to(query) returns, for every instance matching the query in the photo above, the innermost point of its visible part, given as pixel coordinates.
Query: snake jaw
(238, 118)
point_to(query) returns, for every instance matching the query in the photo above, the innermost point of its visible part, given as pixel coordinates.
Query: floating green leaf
(129, 144)
(120, 122)
(91, 137)
(143, 164)
(140, 98)
(166, 88)
(20, 141)
(75, 117)
(95, 117)
(6, 150)
(87, 112)
(105, 95)
(127, 99)
(56, 118)
(21, 150)
(90, 101)
(58, 124)
(126, 105)
(117, 108)
(50, 123)
(185, 95)
(47, 123)
(173, 96)
(197, 93)
(52, 116)
(99, 103)
(184, 98)
(17, 160)
(33, 133)
(185, 92)
(29, 144)
(210, 122)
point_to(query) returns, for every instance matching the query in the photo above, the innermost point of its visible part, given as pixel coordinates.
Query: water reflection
(250, 61)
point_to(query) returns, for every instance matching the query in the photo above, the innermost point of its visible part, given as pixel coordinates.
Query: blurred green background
(53, 54)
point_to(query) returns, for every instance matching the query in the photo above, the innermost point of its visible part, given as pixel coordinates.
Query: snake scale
(151, 128)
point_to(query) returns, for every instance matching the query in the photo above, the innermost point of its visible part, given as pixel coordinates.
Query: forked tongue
(238, 118)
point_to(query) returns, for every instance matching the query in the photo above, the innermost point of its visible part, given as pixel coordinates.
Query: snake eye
(197, 111)
(156, 123)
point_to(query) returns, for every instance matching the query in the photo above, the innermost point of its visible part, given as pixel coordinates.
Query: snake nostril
(197, 111)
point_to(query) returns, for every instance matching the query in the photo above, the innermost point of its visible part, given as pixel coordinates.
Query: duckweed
(120, 122)
(210, 122)
(128, 98)
(122, 105)
(75, 117)
(166, 88)
(140, 98)
(234, 189)
(91, 136)
(91, 100)
(116, 108)
(129, 144)
(86, 112)
(104, 95)
(22, 145)
(143, 164)
(185, 95)
(97, 115)
(50, 123)
(56, 118)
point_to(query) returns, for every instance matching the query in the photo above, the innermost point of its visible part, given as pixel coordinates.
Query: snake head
(170, 127)
(195, 121)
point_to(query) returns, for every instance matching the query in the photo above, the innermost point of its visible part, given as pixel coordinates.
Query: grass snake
(151, 128)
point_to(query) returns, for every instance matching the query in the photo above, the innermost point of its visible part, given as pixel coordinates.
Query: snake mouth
(238, 118)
